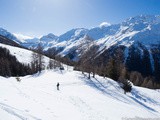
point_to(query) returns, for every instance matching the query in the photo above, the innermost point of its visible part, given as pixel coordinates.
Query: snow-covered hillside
(22, 55)
(36, 98)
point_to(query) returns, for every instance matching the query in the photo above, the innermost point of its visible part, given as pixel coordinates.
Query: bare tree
(34, 63)
(38, 59)
(88, 61)
(136, 78)
(51, 64)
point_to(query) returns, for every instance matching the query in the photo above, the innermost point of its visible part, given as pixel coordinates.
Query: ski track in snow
(17, 113)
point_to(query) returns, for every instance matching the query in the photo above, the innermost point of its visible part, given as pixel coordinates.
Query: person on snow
(58, 86)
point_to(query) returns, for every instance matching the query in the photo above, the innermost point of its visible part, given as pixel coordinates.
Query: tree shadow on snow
(142, 104)
(137, 94)
(104, 89)
(116, 92)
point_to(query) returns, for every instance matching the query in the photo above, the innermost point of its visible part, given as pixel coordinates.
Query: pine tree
(146, 64)
(40, 57)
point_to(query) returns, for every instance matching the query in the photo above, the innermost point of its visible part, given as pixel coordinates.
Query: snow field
(36, 98)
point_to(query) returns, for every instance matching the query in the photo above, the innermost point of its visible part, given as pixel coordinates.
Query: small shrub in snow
(61, 68)
(18, 79)
(127, 87)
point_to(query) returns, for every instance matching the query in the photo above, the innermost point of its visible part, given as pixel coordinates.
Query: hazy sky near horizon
(40, 17)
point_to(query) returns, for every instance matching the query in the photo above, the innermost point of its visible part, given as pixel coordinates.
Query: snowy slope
(22, 55)
(36, 98)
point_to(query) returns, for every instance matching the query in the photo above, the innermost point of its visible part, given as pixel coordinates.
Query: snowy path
(36, 98)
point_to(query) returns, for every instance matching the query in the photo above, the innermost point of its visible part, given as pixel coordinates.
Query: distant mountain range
(138, 36)
(144, 29)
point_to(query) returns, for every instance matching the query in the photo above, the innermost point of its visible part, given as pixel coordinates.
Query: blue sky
(40, 17)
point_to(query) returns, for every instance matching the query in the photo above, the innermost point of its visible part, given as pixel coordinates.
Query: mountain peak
(51, 35)
(104, 24)
(48, 38)
(149, 19)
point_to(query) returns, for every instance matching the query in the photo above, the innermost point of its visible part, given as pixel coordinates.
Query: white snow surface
(36, 98)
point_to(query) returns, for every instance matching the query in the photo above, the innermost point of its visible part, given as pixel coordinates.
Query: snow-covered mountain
(140, 33)
(9, 35)
(48, 38)
(74, 38)
(22, 38)
(27, 41)
(7, 41)
(31, 43)
(143, 28)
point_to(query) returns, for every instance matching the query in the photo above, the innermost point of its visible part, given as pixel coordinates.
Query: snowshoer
(58, 86)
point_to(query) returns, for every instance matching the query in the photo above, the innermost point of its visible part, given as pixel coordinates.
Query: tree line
(137, 68)
(38, 61)
(10, 66)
